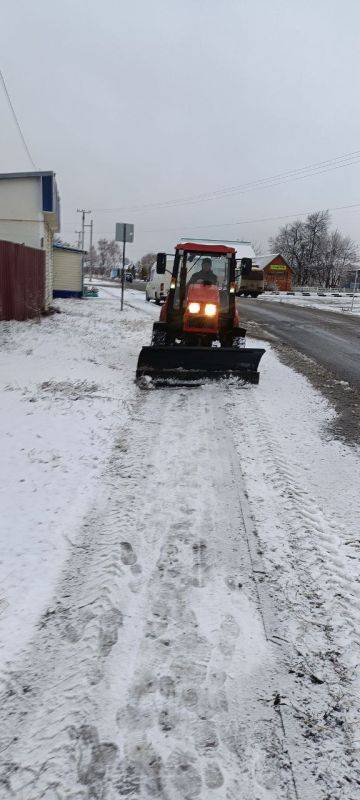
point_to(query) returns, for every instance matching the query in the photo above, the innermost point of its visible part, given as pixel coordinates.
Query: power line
(251, 221)
(317, 168)
(244, 221)
(16, 119)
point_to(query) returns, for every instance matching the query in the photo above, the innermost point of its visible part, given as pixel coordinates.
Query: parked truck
(249, 280)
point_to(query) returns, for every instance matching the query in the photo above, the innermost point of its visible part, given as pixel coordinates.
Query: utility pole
(82, 211)
(91, 246)
(78, 233)
(123, 271)
(91, 223)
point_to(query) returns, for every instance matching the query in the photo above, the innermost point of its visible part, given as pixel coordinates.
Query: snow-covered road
(198, 633)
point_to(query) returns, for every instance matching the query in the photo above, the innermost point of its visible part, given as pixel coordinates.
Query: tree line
(108, 256)
(320, 255)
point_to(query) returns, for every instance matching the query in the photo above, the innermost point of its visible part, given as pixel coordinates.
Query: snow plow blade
(185, 365)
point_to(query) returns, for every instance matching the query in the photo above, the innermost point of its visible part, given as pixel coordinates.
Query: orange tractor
(198, 335)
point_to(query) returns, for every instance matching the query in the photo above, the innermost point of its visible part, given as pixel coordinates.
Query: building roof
(262, 261)
(60, 246)
(5, 175)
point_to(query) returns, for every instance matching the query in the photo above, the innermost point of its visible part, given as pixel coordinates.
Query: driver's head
(206, 264)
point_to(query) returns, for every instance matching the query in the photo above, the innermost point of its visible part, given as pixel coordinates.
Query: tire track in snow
(188, 726)
(151, 683)
(309, 580)
(55, 703)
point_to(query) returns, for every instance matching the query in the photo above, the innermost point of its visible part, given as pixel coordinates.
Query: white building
(68, 271)
(30, 215)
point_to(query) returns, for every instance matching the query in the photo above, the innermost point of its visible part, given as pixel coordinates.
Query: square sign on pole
(124, 232)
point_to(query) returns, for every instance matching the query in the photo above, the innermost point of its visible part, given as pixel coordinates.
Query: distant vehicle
(249, 282)
(157, 286)
(128, 277)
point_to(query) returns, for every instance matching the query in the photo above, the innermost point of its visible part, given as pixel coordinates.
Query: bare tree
(91, 259)
(146, 263)
(113, 254)
(108, 256)
(317, 254)
(257, 248)
(337, 259)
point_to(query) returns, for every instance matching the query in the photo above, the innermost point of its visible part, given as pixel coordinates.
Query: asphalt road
(331, 339)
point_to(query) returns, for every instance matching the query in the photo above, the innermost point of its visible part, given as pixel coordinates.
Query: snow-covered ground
(343, 304)
(179, 575)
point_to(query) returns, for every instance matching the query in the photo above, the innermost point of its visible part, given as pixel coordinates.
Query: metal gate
(22, 281)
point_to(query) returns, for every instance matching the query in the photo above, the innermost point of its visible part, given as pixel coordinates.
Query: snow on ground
(188, 625)
(328, 303)
(61, 401)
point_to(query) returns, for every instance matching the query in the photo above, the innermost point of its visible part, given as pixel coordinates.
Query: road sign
(124, 232)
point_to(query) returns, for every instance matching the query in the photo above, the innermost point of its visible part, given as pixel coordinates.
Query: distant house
(68, 271)
(277, 272)
(30, 215)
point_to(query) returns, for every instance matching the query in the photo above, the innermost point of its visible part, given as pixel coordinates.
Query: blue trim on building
(59, 246)
(47, 193)
(66, 293)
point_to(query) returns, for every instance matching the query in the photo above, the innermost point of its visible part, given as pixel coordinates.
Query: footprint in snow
(128, 556)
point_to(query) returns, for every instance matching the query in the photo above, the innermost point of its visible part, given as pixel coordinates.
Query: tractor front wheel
(226, 341)
(159, 338)
(238, 342)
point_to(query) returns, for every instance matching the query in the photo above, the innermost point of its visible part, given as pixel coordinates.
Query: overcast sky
(141, 102)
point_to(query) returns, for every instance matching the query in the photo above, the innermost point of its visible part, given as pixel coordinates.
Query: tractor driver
(205, 275)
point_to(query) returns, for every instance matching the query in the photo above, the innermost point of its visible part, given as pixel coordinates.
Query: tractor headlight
(210, 309)
(194, 308)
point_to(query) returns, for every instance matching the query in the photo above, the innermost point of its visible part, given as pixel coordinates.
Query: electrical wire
(244, 221)
(16, 119)
(252, 220)
(317, 168)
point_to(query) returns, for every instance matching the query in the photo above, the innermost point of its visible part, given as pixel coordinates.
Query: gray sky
(135, 103)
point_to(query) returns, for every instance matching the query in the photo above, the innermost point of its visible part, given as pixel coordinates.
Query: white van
(158, 286)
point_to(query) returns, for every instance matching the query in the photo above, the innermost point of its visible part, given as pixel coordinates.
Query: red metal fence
(22, 281)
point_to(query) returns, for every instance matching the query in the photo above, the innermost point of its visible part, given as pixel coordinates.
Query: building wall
(21, 217)
(278, 273)
(23, 221)
(67, 273)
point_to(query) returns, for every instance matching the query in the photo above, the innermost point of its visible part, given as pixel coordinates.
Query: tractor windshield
(205, 269)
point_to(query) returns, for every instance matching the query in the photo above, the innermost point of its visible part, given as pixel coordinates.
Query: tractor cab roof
(196, 247)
